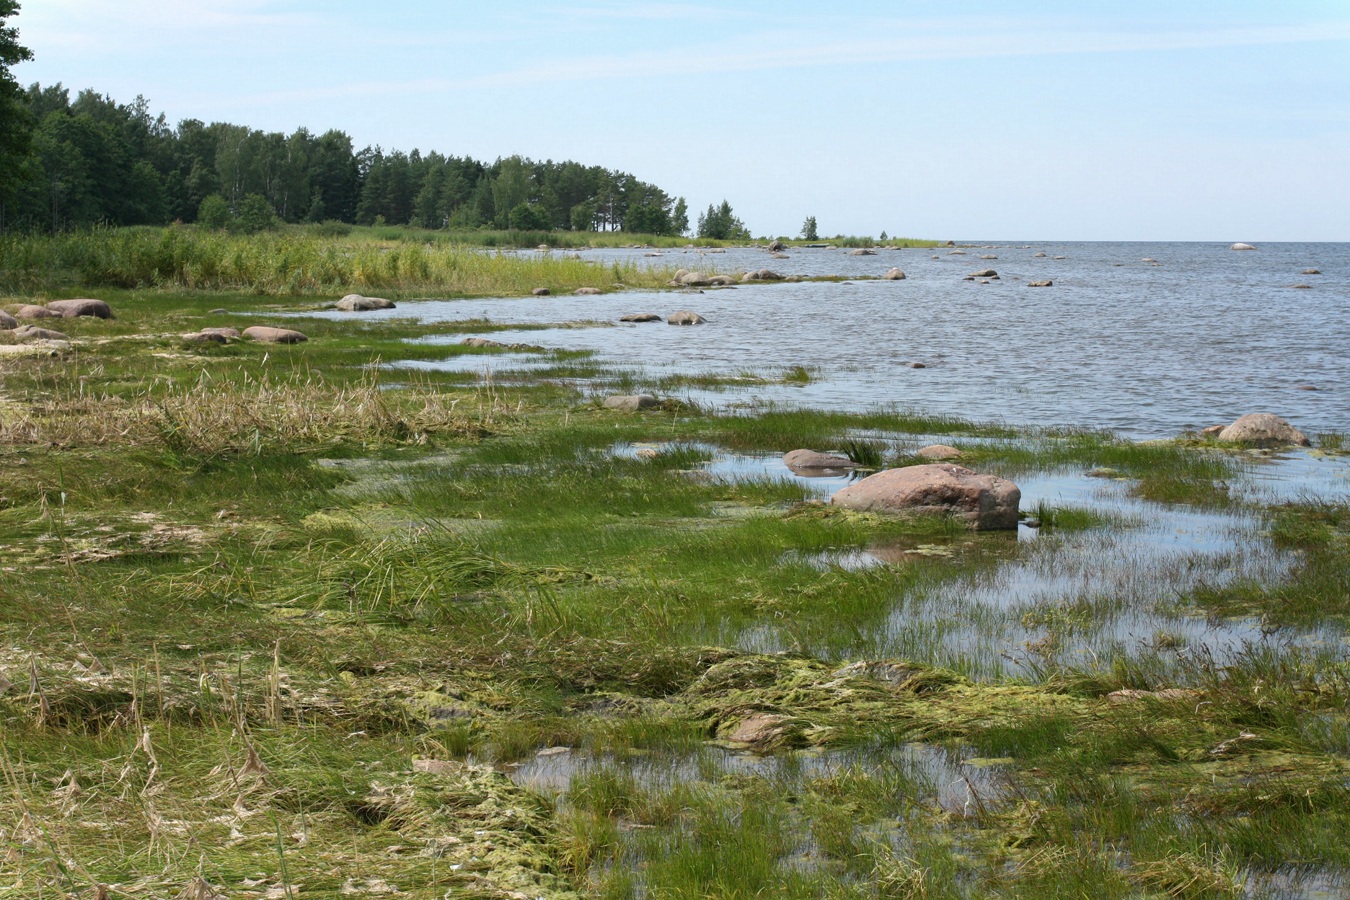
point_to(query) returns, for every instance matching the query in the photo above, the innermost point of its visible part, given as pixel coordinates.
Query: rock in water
(1046, 283)
(586, 291)
(71, 309)
(540, 292)
(894, 275)
(1241, 246)
(982, 501)
(940, 451)
(814, 462)
(358, 303)
(640, 317)
(269, 335)
(685, 317)
(1263, 430)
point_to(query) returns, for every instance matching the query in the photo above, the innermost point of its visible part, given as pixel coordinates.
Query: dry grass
(254, 412)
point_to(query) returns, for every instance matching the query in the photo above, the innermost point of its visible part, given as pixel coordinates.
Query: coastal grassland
(291, 262)
(277, 620)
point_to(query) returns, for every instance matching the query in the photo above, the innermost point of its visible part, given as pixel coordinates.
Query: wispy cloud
(789, 50)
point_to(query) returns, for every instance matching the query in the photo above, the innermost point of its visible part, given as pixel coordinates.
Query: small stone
(268, 335)
(34, 333)
(631, 402)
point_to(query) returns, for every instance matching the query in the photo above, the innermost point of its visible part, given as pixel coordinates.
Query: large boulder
(862, 251)
(631, 402)
(1263, 430)
(685, 278)
(1241, 246)
(30, 311)
(71, 309)
(982, 501)
(7, 321)
(358, 303)
(894, 275)
(269, 335)
(685, 317)
(811, 462)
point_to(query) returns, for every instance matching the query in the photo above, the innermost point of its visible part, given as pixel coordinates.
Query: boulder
(269, 335)
(29, 311)
(762, 275)
(685, 278)
(230, 334)
(34, 333)
(894, 275)
(1263, 430)
(862, 251)
(1311, 272)
(685, 317)
(586, 291)
(1039, 255)
(777, 247)
(982, 501)
(1046, 283)
(721, 280)
(631, 402)
(983, 273)
(7, 321)
(950, 244)
(640, 317)
(1241, 246)
(940, 451)
(358, 303)
(71, 309)
(812, 461)
(540, 292)
(988, 256)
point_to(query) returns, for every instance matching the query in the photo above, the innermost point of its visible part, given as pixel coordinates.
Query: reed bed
(290, 262)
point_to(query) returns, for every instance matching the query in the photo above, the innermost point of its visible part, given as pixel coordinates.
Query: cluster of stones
(56, 309)
(264, 334)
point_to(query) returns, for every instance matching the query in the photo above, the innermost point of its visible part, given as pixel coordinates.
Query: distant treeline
(93, 161)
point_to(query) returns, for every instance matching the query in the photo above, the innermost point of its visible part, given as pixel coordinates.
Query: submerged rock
(269, 335)
(358, 303)
(1263, 430)
(813, 462)
(982, 501)
(640, 317)
(940, 451)
(1046, 283)
(685, 317)
(71, 309)
(631, 402)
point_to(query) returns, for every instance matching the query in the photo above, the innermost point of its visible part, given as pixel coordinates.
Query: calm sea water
(1198, 336)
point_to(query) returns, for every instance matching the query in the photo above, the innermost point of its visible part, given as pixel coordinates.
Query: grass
(273, 622)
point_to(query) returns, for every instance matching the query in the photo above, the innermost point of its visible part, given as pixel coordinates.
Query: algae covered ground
(281, 622)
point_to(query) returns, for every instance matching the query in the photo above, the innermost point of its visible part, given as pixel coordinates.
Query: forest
(94, 161)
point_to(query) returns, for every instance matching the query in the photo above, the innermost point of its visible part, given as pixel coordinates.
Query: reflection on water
(1149, 350)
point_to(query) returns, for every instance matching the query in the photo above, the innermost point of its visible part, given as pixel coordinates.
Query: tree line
(93, 161)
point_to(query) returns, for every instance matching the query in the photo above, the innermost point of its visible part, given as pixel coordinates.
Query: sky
(1040, 120)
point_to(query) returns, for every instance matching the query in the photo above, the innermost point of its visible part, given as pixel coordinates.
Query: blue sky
(1035, 121)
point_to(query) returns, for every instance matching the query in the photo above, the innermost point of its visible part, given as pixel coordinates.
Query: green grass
(269, 619)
